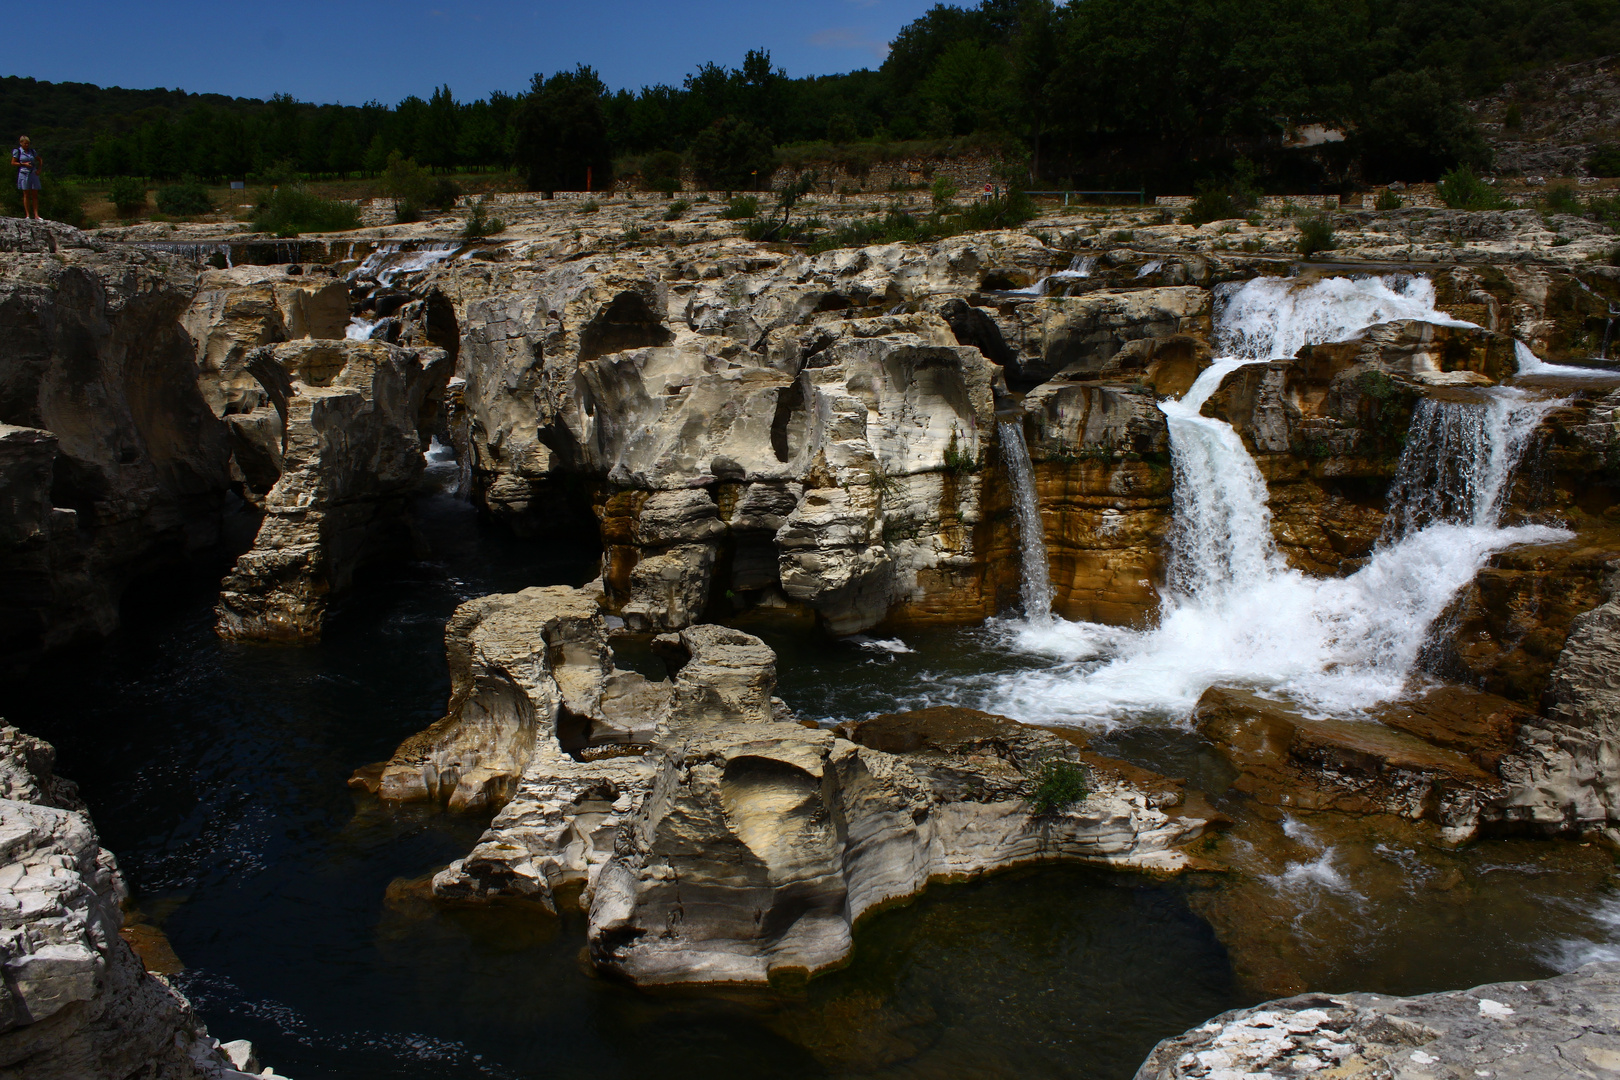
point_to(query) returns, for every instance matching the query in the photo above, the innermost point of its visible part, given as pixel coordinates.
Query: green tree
(1414, 126)
(732, 155)
(560, 133)
(436, 141)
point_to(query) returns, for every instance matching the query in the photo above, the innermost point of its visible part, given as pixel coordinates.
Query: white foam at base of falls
(1233, 613)
(1035, 580)
(360, 329)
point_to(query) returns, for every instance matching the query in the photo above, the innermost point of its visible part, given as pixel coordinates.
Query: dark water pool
(216, 774)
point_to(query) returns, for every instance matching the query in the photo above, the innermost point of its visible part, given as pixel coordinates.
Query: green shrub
(1460, 189)
(1006, 211)
(480, 224)
(406, 212)
(1056, 785)
(128, 195)
(943, 191)
(404, 180)
(1123, 236)
(1561, 199)
(1216, 204)
(293, 210)
(442, 193)
(1316, 234)
(1388, 200)
(589, 206)
(662, 171)
(1605, 161)
(743, 206)
(59, 200)
(1513, 117)
(185, 199)
(676, 209)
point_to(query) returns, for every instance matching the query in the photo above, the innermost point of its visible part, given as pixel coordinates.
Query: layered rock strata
(714, 838)
(76, 1001)
(112, 462)
(1550, 1029)
(333, 444)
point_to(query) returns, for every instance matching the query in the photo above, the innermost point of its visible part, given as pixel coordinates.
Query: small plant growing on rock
(1123, 236)
(1388, 200)
(956, 460)
(480, 224)
(589, 206)
(676, 209)
(1056, 785)
(1316, 234)
(128, 195)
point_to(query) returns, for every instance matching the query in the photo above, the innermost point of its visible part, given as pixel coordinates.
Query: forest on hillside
(1166, 93)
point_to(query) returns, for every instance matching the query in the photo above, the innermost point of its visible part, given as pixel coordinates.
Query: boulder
(348, 462)
(1552, 1029)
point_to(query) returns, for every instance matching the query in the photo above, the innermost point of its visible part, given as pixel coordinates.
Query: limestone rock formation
(1566, 775)
(123, 465)
(1553, 1029)
(335, 435)
(715, 839)
(234, 312)
(76, 1002)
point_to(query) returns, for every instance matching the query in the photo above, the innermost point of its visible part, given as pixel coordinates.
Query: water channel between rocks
(216, 773)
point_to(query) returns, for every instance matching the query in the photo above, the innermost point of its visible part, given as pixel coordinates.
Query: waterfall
(1533, 365)
(1458, 459)
(1233, 613)
(1080, 267)
(1035, 581)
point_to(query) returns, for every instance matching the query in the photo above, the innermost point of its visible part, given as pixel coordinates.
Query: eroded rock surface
(76, 1002)
(112, 462)
(334, 437)
(1550, 1029)
(715, 838)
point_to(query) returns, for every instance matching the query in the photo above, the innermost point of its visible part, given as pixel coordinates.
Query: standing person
(28, 164)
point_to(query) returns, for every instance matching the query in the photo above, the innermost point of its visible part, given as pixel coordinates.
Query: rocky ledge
(76, 1002)
(712, 837)
(1547, 1030)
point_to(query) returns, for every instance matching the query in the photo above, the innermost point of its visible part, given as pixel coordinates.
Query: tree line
(1170, 93)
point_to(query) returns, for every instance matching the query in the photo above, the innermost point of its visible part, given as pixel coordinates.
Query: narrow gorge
(994, 656)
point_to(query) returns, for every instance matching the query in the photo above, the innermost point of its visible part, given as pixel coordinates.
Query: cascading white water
(1080, 267)
(1035, 581)
(1234, 614)
(1273, 318)
(1532, 365)
(1458, 459)
(360, 329)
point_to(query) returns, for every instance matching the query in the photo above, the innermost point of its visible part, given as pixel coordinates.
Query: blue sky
(363, 49)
